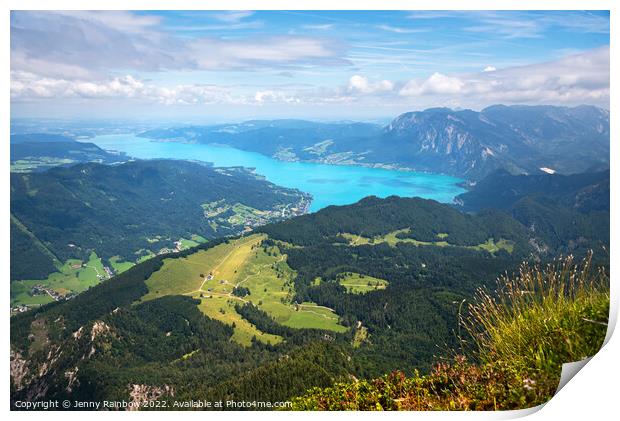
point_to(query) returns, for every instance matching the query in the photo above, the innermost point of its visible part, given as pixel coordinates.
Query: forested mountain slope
(134, 209)
(357, 290)
(571, 213)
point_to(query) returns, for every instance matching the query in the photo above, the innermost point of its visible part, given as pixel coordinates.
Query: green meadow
(391, 238)
(356, 283)
(118, 265)
(211, 276)
(73, 276)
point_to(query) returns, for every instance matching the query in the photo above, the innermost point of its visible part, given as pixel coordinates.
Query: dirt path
(317, 306)
(223, 260)
(259, 271)
(319, 314)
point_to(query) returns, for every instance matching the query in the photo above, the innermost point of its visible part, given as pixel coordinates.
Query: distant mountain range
(40, 151)
(563, 213)
(465, 143)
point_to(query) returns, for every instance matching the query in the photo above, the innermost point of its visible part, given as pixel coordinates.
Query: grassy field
(118, 266)
(198, 238)
(210, 276)
(391, 238)
(143, 255)
(73, 276)
(193, 241)
(356, 283)
(492, 247)
(77, 276)
(244, 214)
(31, 164)
(222, 308)
(310, 315)
(186, 244)
(20, 294)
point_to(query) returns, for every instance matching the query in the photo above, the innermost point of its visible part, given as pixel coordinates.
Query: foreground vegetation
(518, 338)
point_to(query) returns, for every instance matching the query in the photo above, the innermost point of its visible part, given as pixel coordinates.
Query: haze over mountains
(465, 143)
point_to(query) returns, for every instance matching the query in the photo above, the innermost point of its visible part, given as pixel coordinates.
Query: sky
(221, 66)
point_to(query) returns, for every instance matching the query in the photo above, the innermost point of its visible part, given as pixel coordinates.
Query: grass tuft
(542, 318)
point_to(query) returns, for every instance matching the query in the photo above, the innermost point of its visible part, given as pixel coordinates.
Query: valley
(222, 280)
(73, 245)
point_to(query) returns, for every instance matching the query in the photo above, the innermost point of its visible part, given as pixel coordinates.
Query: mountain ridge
(470, 144)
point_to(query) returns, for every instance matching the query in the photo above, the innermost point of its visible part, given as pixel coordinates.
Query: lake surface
(328, 184)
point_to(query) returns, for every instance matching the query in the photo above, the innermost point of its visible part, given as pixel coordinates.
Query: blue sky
(225, 66)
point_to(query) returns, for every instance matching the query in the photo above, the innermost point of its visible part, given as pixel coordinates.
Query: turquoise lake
(328, 184)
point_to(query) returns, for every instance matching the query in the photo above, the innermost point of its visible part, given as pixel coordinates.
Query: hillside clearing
(392, 239)
(212, 276)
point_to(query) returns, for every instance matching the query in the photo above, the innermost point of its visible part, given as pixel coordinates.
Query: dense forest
(511, 353)
(584, 192)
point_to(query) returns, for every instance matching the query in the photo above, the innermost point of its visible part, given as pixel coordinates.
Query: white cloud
(120, 20)
(322, 27)
(437, 83)
(28, 86)
(360, 84)
(489, 69)
(532, 24)
(213, 53)
(575, 79)
(262, 97)
(92, 44)
(509, 28)
(254, 24)
(88, 43)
